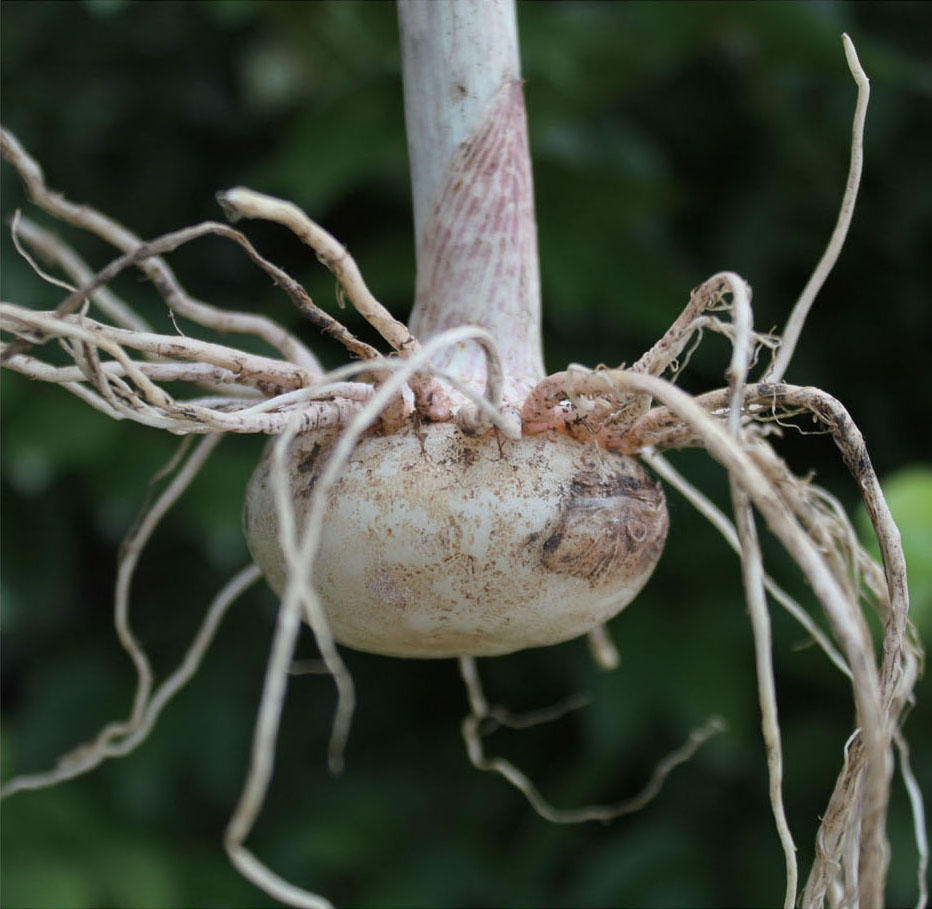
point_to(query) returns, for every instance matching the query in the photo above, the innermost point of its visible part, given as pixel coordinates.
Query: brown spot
(551, 543)
(467, 456)
(612, 527)
(593, 484)
(307, 463)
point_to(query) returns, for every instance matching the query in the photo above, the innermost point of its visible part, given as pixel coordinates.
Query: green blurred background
(670, 141)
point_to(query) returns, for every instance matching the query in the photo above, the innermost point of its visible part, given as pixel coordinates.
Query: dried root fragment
(480, 714)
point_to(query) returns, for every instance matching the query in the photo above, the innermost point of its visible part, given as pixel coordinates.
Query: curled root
(480, 713)
(120, 738)
(156, 269)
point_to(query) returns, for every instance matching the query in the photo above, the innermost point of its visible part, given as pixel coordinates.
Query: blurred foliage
(909, 494)
(670, 141)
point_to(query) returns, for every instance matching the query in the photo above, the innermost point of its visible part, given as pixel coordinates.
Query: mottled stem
(471, 182)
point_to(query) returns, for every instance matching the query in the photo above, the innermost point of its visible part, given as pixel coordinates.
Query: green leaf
(909, 495)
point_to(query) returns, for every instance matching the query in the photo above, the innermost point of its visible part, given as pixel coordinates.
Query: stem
(476, 235)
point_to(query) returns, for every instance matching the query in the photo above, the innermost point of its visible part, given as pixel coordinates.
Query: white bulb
(436, 544)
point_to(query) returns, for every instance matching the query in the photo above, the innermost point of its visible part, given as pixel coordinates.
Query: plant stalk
(476, 235)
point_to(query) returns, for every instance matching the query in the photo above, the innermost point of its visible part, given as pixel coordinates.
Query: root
(752, 572)
(53, 251)
(611, 407)
(126, 388)
(363, 406)
(726, 528)
(879, 694)
(604, 652)
(156, 269)
(146, 252)
(764, 401)
(496, 717)
(587, 409)
(245, 203)
(919, 820)
(851, 856)
(151, 405)
(481, 713)
(89, 755)
(794, 325)
(207, 374)
(119, 739)
(130, 552)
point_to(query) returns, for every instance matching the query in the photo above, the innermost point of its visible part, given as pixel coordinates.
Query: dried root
(810, 527)
(120, 738)
(482, 719)
(614, 408)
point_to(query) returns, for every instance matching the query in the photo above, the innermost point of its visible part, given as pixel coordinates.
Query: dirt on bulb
(438, 544)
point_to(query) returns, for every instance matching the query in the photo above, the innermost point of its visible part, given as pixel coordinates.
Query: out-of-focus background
(670, 141)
